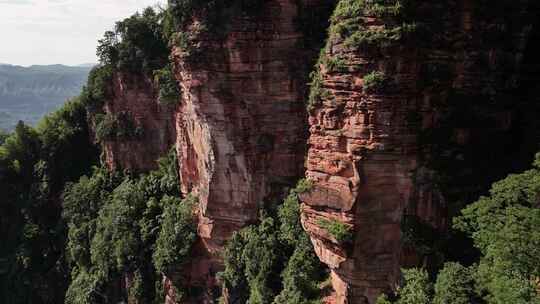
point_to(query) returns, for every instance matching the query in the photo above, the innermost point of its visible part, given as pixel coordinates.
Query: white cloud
(59, 31)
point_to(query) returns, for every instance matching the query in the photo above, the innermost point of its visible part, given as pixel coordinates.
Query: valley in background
(29, 93)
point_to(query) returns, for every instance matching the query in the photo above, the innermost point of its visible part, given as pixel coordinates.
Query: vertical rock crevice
(242, 123)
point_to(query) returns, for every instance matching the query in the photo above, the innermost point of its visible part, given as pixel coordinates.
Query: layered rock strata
(242, 122)
(376, 151)
(136, 97)
(376, 156)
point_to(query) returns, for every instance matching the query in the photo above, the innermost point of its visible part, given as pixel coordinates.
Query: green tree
(137, 43)
(85, 288)
(35, 164)
(106, 49)
(115, 246)
(274, 261)
(177, 235)
(260, 257)
(301, 276)
(119, 225)
(503, 227)
(22, 150)
(383, 299)
(233, 276)
(417, 288)
(289, 215)
(455, 285)
(3, 136)
(169, 91)
(81, 204)
(95, 92)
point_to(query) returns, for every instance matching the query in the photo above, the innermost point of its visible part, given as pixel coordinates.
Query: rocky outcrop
(242, 122)
(412, 124)
(135, 95)
(242, 119)
(239, 129)
(413, 144)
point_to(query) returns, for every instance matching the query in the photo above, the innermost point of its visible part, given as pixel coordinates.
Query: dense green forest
(35, 165)
(72, 229)
(74, 232)
(64, 234)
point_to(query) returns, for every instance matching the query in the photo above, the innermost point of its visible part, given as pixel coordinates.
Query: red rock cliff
(136, 96)
(242, 123)
(241, 129)
(374, 155)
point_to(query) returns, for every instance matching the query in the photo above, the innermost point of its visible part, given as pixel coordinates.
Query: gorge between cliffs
(279, 151)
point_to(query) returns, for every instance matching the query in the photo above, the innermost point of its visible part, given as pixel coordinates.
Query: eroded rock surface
(242, 121)
(376, 156)
(135, 95)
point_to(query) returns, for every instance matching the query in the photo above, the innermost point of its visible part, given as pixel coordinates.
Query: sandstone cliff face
(242, 119)
(241, 130)
(136, 96)
(375, 157)
(242, 122)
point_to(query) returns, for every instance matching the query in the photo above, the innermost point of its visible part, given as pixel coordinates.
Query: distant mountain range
(28, 93)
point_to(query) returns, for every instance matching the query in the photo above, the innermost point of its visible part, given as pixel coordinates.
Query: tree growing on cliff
(169, 91)
(106, 50)
(274, 262)
(126, 226)
(177, 233)
(454, 285)
(417, 288)
(3, 136)
(137, 43)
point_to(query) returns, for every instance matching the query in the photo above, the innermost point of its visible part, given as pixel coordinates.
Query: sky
(59, 31)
